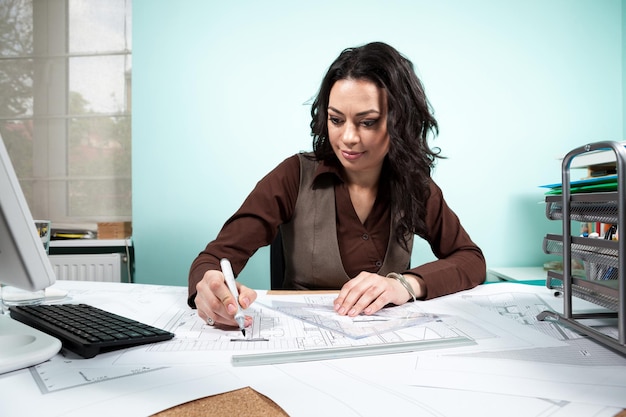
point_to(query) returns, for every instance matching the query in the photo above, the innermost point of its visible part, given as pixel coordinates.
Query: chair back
(277, 263)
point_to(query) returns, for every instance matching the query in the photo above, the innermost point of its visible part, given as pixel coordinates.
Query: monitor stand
(22, 346)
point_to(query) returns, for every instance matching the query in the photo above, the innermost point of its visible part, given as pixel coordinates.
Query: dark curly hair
(410, 120)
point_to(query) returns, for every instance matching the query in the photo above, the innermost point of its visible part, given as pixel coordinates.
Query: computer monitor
(23, 264)
(23, 260)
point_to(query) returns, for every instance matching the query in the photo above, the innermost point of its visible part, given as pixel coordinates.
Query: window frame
(49, 182)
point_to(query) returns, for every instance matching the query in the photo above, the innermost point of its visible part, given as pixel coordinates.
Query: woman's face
(357, 125)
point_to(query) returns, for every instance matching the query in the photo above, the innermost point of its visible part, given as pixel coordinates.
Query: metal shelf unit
(603, 282)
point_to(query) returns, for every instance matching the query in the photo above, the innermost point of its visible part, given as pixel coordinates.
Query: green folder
(607, 183)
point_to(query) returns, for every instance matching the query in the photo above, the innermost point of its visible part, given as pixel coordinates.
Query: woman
(348, 211)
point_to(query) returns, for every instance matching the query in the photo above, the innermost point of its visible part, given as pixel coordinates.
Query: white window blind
(65, 105)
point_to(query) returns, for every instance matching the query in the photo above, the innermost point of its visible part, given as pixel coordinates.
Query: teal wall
(219, 87)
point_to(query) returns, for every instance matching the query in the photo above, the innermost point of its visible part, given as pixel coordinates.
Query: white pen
(227, 270)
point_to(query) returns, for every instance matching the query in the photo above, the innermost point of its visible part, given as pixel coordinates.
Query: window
(65, 105)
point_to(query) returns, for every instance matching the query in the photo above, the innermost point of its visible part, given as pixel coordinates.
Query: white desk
(513, 369)
(529, 273)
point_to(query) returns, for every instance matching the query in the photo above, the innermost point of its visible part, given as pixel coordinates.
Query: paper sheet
(498, 375)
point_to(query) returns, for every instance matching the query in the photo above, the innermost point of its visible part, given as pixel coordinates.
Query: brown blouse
(460, 264)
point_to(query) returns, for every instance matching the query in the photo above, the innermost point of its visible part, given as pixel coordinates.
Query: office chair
(277, 263)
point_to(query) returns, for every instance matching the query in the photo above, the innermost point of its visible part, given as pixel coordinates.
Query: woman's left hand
(367, 293)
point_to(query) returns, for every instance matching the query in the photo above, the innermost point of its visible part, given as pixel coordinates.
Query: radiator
(93, 267)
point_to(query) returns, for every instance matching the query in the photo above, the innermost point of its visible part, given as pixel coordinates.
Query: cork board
(244, 401)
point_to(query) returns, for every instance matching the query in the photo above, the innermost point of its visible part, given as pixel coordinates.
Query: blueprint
(319, 311)
(271, 331)
(524, 308)
(513, 362)
(575, 368)
(278, 329)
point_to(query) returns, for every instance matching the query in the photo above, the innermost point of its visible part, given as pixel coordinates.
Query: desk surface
(525, 377)
(525, 274)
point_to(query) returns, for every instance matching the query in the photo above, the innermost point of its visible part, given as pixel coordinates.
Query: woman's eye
(369, 122)
(334, 120)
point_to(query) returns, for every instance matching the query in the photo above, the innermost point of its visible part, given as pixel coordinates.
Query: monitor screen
(23, 261)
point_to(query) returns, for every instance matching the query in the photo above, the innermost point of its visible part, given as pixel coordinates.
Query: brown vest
(311, 250)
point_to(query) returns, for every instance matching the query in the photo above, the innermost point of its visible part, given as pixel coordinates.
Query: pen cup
(43, 229)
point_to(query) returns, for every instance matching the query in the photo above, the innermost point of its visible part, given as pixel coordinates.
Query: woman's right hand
(216, 304)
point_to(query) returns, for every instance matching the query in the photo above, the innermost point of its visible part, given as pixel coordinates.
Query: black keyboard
(87, 330)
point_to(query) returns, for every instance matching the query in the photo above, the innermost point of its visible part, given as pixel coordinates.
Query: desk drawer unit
(603, 280)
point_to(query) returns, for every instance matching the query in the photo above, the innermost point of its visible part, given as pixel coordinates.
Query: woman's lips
(351, 156)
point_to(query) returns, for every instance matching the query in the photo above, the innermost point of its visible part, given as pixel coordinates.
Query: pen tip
(244, 332)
